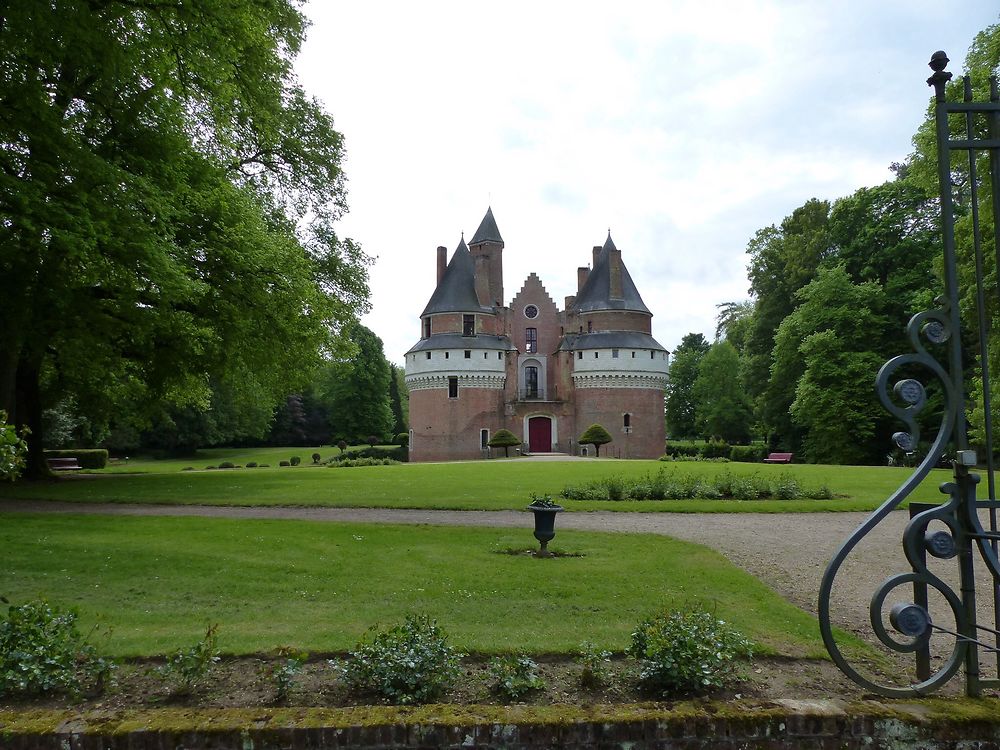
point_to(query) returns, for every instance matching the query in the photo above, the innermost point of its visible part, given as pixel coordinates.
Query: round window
(531, 311)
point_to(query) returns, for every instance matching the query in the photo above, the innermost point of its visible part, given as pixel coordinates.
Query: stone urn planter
(545, 520)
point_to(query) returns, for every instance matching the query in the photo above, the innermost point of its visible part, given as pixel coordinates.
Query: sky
(683, 127)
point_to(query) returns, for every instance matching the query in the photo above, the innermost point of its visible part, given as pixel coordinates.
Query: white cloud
(684, 126)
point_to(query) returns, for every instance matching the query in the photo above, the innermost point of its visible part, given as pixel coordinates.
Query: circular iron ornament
(935, 332)
(911, 391)
(940, 544)
(904, 440)
(910, 619)
(531, 311)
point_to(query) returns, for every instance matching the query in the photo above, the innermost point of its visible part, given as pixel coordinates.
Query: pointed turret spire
(609, 244)
(487, 231)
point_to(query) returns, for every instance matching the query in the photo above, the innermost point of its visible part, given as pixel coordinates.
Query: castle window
(627, 423)
(468, 325)
(499, 355)
(652, 355)
(452, 386)
(590, 327)
(484, 438)
(531, 311)
(446, 354)
(485, 355)
(428, 355)
(531, 340)
(633, 355)
(596, 355)
(531, 382)
(427, 328)
(614, 354)
(468, 354)
(579, 355)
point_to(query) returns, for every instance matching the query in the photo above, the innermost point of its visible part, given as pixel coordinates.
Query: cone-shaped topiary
(504, 439)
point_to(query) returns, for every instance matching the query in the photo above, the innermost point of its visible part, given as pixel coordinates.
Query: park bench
(778, 458)
(63, 464)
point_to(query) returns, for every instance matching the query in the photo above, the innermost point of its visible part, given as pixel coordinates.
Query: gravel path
(788, 551)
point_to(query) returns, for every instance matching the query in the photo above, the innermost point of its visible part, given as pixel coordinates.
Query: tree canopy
(168, 194)
(596, 436)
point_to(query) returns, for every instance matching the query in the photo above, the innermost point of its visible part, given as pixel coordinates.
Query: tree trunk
(28, 412)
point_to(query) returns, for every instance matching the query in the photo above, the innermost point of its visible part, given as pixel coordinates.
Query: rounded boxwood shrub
(283, 463)
(688, 652)
(316, 457)
(251, 464)
(408, 663)
(296, 460)
(402, 439)
(227, 465)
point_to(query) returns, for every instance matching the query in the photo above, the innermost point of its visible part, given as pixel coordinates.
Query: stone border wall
(813, 726)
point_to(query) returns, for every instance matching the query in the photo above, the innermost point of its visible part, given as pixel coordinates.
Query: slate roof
(609, 340)
(487, 231)
(458, 341)
(457, 290)
(596, 292)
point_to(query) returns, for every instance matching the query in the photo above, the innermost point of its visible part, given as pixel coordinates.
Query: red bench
(778, 458)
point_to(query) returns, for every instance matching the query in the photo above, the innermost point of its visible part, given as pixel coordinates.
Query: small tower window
(468, 354)
(452, 386)
(614, 354)
(530, 340)
(468, 325)
(633, 355)
(590, 327)
(428, 355)
(499, 355)
(485, 355)
(652, 355)
(596, 355)
(446, 355)
(579, 355)
(484, 438)
(627, 423)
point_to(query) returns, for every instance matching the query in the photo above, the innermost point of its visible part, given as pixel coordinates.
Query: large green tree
(167, 201)
(679, 404)
(722, 407)
(356, 389)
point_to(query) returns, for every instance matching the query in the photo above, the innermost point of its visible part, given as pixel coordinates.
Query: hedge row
(718, 449)
(88, 458)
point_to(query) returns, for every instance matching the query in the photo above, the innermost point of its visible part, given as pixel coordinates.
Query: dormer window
(468, 325)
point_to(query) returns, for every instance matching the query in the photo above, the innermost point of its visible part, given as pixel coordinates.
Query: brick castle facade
(544, 374)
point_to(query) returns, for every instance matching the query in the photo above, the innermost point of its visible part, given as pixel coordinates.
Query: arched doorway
(539, 434)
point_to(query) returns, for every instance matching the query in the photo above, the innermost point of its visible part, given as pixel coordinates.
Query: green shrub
(265, 466)
(595, 663)
(402, 439)
(251, 464)
(316, 457)
(747, 488)
(615, 487)
(209, 468)
(227, 465)
(283, 463)
(285, 671)
(747, 453)
(187, 667)
(408, 663)
(822, 492)
(514, 677)
(714, 449)
(687, 652)
(396, 454)
(348, 463)
(41, 651)
(88, 458)
(295, 460)
(786, 487)
(682, 449)
(188, 468)
(13, 450)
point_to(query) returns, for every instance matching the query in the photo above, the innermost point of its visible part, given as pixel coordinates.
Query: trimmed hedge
(748, 453)
(88, 458)
(396, 454)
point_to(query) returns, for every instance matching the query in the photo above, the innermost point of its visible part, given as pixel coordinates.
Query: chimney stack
(570, 300)
(442, 261)
(483, 280)
(581, 277)
(615, 275)
(597, 251)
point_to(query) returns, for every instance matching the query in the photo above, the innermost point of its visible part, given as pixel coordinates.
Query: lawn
(206, 457)
(475, 485)
(158, 582)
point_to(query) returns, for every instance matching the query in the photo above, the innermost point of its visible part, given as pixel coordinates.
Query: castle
(544, 374)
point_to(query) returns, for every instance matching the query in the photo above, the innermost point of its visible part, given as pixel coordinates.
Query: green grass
(478, 485)
(158, 582)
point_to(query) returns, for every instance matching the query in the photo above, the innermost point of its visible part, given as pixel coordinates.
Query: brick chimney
(442, 261)
(483, 280)
(615, 275)
(581, 277)
(570, 300)
(597, 251)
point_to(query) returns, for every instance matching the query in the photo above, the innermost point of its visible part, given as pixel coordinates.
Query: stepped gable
(531, 285)
(457, 290)
(596, 292)
(488, 231)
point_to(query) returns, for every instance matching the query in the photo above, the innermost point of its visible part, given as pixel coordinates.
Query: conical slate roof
(487, 231)
(596, 292)
(457, 290)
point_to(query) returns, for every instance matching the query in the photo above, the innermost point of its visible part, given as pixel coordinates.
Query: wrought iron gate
(935, 621)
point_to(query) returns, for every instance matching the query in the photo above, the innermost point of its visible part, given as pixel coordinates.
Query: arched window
(531, 382)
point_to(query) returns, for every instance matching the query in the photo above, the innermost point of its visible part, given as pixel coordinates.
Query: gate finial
(939, 61)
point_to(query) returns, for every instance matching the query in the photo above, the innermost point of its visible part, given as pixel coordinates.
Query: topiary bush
(295, 460)
(251, 464)
(514, 677)
(283, 463)
(316, 458)
(688, 652)
(406, 664)
(41, 651)
(402, 439)
(227, 465)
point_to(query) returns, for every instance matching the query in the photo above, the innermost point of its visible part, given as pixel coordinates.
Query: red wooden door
(539, 435)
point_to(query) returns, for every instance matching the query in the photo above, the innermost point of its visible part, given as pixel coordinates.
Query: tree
(722, 406)
(504, 439)
(168, 194)
(678, 398)
(596, 436)
(356, 388)
(733, 322)
(397, 396)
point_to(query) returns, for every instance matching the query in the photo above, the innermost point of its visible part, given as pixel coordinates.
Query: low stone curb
(931, 724)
